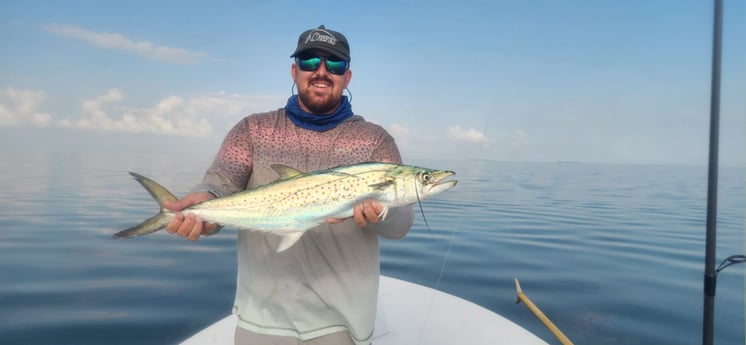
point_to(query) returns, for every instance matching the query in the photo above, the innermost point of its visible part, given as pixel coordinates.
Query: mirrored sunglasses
(312, 63)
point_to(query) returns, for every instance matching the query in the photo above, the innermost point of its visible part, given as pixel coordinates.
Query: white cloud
(169, 116)
(428, 144)
(225, 109)
(398, 130)
(19, 107)
(470, 135)
(119, 42)
(223, 104)
(173, 115)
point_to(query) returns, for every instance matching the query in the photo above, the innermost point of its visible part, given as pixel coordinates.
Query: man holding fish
(323, 288)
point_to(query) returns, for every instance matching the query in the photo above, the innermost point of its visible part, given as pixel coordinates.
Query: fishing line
(733, 259)
(437, 284)
(422, 211)
(445, 259)
(442, 268)
(452, 238)
(451, 241)
(427, 225)
(478, 153)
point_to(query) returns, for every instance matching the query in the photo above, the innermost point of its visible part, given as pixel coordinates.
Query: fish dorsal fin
(285, 171)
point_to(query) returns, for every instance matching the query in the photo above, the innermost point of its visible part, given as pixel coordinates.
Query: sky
(520, 80)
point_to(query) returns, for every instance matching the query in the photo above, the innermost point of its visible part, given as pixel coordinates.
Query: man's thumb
(188, 200)
(177, 205)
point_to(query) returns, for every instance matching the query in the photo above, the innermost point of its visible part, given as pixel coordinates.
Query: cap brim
(322, 49)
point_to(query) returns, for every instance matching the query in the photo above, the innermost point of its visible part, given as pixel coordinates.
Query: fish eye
(426, 177)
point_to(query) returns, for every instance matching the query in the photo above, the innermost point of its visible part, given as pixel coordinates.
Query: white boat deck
(409, 313)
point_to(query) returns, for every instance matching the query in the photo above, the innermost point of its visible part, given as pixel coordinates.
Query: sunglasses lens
(336, 67)
(309, 64)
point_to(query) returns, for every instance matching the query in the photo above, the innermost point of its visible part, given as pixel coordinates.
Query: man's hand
(368, 211)
(189, 226)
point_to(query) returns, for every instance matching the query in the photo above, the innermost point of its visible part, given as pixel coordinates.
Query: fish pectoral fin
(289, 240)
(381, 185)
(285, 171)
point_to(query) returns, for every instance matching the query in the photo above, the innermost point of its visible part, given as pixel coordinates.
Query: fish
(299, 201)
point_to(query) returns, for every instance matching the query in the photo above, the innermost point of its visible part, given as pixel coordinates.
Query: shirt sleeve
(386, 151)
(232, 166)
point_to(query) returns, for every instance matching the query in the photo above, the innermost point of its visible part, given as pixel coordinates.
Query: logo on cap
(319, 35)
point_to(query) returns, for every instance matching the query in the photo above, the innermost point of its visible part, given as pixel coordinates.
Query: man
(323, 289)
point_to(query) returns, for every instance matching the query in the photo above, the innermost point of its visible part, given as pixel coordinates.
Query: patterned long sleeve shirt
(328, 281)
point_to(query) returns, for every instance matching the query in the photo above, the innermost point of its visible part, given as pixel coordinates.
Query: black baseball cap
(332, 42)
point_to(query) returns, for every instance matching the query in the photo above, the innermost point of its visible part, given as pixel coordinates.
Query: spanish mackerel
(299, 201)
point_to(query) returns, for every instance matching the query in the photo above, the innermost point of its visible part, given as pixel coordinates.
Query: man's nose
(322, 69)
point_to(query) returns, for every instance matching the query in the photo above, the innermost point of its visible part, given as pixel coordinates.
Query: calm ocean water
(613, 254)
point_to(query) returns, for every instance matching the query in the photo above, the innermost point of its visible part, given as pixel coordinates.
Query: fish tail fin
(148, 226)
(156, 222)
(158, 192)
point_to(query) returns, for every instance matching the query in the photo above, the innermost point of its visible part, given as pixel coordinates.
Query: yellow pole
(544, 319)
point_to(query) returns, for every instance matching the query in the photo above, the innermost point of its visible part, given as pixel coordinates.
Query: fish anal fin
(289, 240)
(383, 214)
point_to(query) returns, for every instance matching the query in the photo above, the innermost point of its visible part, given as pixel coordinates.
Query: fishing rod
(710, 278)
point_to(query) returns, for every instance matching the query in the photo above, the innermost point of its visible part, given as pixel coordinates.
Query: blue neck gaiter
(315, 122)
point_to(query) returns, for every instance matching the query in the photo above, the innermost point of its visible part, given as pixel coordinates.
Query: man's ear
(349, 77)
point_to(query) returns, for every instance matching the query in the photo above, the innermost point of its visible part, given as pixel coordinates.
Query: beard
(324, 106)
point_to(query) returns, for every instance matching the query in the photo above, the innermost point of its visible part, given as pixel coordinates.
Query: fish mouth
(439, 181)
